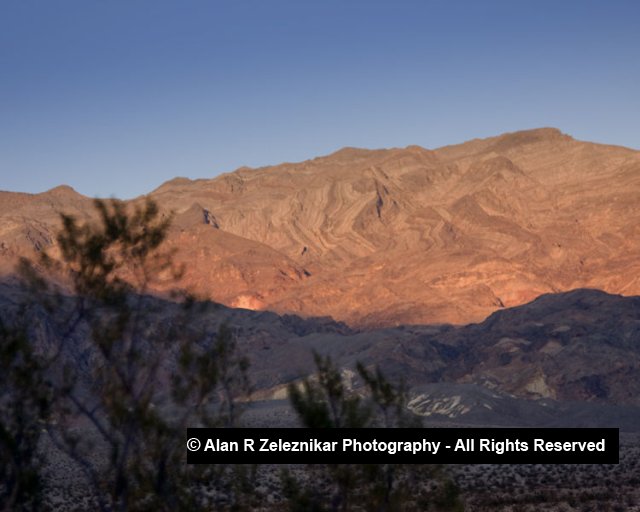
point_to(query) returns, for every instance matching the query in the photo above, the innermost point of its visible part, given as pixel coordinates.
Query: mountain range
(378, 238)
(498, 278)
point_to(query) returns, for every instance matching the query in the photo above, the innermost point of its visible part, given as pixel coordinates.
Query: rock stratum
(378, 238)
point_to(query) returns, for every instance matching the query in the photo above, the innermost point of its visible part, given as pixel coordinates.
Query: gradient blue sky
(113, 97)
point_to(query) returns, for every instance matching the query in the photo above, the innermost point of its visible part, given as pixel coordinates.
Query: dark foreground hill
(570, 359)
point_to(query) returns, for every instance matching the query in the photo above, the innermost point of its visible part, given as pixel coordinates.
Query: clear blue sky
(113, 97)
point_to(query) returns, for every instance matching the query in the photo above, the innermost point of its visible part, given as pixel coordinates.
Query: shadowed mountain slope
(561, 360)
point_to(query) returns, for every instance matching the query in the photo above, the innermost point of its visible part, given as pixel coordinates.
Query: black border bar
(411, 446)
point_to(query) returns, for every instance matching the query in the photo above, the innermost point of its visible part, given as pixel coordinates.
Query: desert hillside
(394, 236)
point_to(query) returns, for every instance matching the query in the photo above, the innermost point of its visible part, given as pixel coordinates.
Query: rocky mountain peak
(403, 235)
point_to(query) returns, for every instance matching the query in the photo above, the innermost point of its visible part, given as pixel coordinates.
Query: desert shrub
(130, 371)
(25, 404)
(324, 401)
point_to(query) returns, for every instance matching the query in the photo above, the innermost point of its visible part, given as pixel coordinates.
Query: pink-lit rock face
(397, 236)
(247, 302)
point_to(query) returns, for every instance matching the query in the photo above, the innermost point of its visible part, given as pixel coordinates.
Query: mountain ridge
(393, 236)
